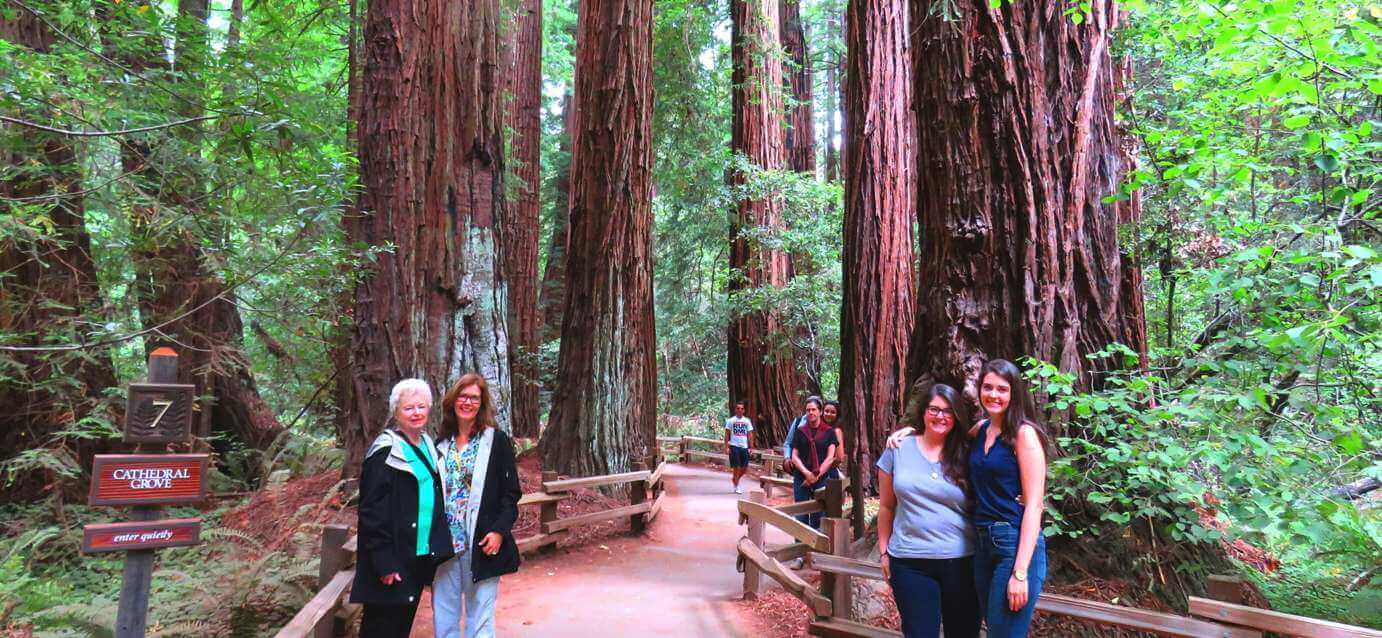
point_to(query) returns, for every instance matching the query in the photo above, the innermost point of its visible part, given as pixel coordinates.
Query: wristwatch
(1020, 575)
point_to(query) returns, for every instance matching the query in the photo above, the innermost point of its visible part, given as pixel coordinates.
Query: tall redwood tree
(431, 161)
(878, 307)
(48, 285)
(605, 406)
(1018, 149)
(762, 373)
(552, 294)
(520, 233)
(800, 131)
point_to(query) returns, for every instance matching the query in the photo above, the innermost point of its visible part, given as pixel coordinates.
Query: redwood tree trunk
(432, 167)
(521, 232)
(832, 106)
(1018, 149)
(605, 405)
(552, 297)
(800, 131)
(878, 307)
(177, 290)
(762, 373)
(48, 286)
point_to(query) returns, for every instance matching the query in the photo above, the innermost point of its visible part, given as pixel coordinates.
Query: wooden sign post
(158, 412)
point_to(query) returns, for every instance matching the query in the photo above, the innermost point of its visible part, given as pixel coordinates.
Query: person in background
(482, 494)
(813, 459)
(738, 442)
(924, 528)
(831, 414)
(403, 533)
(1007, 469)
(792, 432)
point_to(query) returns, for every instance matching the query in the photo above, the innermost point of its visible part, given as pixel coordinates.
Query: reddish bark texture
(432, 166)
(552, 297)
(878, 308)
(605, 405)
(47, 286)
(800, 132)
(762, 373)
(1017, 148)
(520, 234)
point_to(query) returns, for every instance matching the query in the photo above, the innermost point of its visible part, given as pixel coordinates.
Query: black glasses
(935, 412)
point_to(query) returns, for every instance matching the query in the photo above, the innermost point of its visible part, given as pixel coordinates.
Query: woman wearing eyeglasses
(481, 503)
(923, 523)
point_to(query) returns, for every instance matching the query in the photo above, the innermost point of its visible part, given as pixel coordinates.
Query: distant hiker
(792, 432)
(831, 415)
(813, 459)
(482, 493)
(403, 533)
(925, 534)
(738, 442)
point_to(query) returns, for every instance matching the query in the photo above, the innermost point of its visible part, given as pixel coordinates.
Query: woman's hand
(887, 569)
(389, 579)
(808, 478)
(491, 542)
(895, 439)
(1017, 594)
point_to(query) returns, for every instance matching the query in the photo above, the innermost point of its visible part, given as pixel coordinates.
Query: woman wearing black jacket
(403, 532)
(481, 504)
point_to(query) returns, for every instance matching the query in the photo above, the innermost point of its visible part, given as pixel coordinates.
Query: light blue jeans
(453, 588)
(995, 550)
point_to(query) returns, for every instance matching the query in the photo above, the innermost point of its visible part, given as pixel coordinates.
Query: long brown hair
(450, 425)
(1021, 407)
(955, 450)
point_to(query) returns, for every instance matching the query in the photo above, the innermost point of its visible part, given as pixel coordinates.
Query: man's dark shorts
(738, 456)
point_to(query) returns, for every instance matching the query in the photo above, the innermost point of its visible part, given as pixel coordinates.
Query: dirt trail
(677, 580)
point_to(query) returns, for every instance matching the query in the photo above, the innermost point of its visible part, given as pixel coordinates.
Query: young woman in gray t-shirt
(923, 523)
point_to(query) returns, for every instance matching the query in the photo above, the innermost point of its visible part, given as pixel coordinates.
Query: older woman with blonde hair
(481, 503)
(403, 532)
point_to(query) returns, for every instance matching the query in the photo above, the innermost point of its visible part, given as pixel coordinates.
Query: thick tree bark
(800, 130)
(760, 372)
(432, 166)
(48, 287)
(524, 111)
(552, 297)
(878, 307)
(1018, 148)
(605, 406)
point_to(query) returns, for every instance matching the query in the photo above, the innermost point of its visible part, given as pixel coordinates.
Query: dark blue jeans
(933, 591)
(802, 492)
(995, 550)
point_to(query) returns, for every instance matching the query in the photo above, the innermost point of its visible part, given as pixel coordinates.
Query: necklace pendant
(935, 476)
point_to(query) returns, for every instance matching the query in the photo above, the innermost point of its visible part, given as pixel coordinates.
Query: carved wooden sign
(119, 537)
(147, 479)
(159, 413)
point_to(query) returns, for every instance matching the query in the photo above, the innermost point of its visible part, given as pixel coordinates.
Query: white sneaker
(738, 490)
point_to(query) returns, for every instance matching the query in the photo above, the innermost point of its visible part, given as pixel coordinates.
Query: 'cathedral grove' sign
(147, 479)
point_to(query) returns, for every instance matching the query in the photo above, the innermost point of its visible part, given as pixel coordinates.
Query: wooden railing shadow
(325, 616)
(831, 604)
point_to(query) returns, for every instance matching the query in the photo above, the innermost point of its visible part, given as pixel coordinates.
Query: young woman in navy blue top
(1007, 470)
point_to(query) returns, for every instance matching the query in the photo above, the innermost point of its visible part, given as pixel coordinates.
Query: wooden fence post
(333, 560)
(1227, 589)
(638, 493)
(753, 579)
(833, 498)
(836, 586)
(548, 514)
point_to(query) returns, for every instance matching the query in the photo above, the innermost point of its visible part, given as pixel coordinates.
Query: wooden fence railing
(681, 447)
(831, 604)
(319, 617)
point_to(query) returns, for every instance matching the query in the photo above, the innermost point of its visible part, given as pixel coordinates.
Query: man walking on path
(738, 441)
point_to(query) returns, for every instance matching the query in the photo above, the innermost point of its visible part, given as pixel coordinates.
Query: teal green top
(423, 468)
